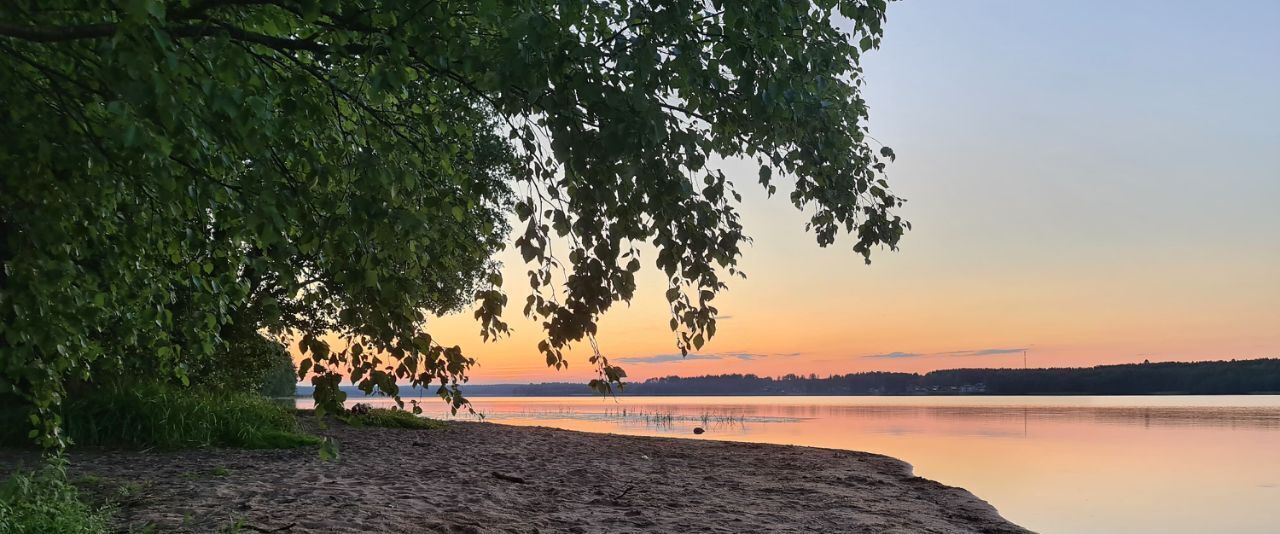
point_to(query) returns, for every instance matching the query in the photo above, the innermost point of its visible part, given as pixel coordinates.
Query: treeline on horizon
(1205, 378)
(1191, 378)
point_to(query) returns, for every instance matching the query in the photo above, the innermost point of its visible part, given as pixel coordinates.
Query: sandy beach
(490, 478)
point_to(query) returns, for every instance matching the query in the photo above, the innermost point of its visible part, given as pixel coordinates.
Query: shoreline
(474, 477)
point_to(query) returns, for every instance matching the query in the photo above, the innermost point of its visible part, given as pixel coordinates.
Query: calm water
(1051, 464)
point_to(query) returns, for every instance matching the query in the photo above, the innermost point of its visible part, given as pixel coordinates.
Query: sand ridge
(490, 478)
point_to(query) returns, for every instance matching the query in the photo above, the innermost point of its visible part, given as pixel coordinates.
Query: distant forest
(1190, 378)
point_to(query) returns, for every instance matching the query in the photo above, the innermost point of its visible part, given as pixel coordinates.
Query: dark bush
(251, 362)
(152, 415)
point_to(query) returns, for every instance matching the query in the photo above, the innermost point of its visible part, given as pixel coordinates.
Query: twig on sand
(269, 530)
(508, 478)
(623, 494)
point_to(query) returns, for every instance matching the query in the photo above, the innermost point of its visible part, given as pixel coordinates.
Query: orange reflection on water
(1052, 464)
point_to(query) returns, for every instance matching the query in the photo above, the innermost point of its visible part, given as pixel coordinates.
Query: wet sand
(489, 478)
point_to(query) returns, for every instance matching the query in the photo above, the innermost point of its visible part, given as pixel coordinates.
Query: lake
(1052, 464)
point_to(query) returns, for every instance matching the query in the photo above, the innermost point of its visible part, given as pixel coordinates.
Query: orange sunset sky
(1100, 200)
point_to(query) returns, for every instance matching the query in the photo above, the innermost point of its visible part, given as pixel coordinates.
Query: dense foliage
(177, 170)
(248, 361)
(280, 380)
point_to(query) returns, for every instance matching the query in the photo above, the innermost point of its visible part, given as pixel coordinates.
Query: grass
(130, 490)
(235, 527)
(43, 502)
(149, 416)
(668, 419)
(383, 417)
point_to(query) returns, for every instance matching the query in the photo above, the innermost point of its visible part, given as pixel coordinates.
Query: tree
(312, 166)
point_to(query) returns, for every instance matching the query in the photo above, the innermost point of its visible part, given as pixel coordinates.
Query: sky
(1092, 182)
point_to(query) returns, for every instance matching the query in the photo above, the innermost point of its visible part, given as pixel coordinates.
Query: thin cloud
(954, 353)
(984, 352)
(664, 358)
(757, 355)
(896, 355)
(742, 355)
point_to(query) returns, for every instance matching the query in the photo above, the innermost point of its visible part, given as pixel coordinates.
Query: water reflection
(1052, 464)
(1146, 416)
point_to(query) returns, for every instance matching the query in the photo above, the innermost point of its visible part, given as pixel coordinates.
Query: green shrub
(170, 417)
(281, 380)
(43, 502)
(383, 417)
(250, 362)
